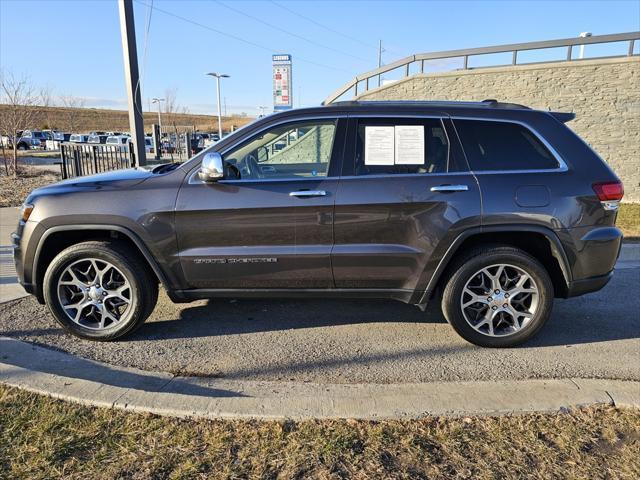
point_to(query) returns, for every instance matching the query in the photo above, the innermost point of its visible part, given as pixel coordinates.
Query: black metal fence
(79, 159)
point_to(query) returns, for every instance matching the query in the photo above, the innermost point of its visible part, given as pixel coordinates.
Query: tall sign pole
(132, 79)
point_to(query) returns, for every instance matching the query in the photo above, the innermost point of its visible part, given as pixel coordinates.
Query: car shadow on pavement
(73, 367)
(574, 321)
(232, 317)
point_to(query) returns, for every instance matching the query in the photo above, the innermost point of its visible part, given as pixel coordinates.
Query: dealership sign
(282, 98)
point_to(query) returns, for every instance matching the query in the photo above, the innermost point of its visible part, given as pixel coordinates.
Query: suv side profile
(491, 208)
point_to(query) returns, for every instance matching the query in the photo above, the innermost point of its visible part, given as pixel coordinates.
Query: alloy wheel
(499, 300)
(94, 293)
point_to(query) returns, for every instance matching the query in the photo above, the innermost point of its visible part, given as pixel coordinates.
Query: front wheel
(99, 290)
(497, 297)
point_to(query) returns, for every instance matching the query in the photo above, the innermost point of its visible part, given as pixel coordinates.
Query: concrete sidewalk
(68, 377)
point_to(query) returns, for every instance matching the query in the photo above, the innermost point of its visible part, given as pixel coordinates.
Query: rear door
(396, 210)
(269, 223)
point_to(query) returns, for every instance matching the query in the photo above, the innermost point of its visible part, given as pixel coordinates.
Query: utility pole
(380, 50)
(218, 76)
(132, 79)
(158, 100)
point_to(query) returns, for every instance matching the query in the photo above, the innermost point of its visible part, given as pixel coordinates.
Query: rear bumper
(588, 285)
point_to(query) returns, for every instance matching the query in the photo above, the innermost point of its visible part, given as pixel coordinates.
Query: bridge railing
(363, 83)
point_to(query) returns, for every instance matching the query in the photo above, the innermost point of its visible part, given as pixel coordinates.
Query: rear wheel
(497, 296)
(99, 290)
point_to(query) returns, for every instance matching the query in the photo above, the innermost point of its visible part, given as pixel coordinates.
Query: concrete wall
(604, 94)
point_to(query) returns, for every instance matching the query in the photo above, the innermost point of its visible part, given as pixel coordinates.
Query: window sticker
(409, 145)
(379, 145)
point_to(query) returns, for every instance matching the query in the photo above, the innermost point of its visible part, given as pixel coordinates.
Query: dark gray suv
(492, 208)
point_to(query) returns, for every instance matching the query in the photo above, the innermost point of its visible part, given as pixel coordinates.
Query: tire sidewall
(453, 293)
(66, 258)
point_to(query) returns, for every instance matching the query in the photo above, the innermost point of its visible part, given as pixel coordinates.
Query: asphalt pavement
(341, 341)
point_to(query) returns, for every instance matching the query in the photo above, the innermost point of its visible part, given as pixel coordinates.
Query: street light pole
(158, 100)
(218, 76)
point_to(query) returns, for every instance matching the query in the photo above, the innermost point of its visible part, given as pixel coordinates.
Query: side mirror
(211, 169)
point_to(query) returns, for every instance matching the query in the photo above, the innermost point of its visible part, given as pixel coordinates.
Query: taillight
(608, 191)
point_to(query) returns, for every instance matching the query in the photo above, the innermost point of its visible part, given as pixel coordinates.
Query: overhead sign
(282, 97)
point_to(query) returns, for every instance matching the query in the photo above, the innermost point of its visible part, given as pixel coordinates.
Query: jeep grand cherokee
(494, 209)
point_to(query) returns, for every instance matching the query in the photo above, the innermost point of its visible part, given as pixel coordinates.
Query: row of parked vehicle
(37, 139)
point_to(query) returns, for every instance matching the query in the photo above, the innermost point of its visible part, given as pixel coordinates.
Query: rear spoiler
(563, 117)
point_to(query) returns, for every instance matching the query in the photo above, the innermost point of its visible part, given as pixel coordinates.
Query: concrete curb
(71, 378)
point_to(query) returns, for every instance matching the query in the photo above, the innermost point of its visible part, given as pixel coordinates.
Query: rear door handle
(308, 193)
(450, 188)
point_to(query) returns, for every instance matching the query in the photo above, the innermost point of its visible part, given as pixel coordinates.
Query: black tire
(22, 146)
(471, 263)
(144, 287)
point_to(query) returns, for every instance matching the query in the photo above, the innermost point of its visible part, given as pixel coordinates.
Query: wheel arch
(61, 237)
(526, 237)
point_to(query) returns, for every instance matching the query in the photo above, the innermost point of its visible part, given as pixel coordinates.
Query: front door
(405, 192)
(269, 223)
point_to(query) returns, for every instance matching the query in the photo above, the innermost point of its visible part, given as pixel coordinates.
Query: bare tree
(171, 107)
(46, 101)
(21, 109)
(71, 103)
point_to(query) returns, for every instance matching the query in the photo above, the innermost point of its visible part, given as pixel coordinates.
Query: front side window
(293, 150)
(502, 146)
(391, 146)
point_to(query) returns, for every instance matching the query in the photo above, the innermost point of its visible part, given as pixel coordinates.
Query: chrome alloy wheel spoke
(94, 293)
(499, 300)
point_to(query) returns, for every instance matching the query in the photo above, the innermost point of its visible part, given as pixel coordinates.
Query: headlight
(25, 213)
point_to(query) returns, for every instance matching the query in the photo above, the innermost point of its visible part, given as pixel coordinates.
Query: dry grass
(629, 220)
(88, 119)
(45, 438)
(13, 190)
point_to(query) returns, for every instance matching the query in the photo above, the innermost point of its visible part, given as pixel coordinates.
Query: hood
(108, 180)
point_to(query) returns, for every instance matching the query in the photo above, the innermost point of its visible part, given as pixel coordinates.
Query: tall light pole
(218, 77)
(583, 35)
(158, 100)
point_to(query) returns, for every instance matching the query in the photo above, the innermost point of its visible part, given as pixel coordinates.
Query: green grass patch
(628, 220)
(45, 438)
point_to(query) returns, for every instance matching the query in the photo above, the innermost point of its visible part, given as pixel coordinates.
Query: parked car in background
(148, 145)
(120, 141)
(79, 138)
(30, 139)
(97, 138)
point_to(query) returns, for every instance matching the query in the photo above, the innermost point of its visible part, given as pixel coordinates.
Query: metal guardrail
(79, 159)
(513, 48)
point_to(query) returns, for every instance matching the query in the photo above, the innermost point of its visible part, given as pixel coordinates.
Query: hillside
(82, 120)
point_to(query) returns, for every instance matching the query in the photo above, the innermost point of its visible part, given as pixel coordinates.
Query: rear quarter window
(491, 146)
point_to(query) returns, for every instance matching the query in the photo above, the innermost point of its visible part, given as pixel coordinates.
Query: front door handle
(450, 188)
(308, 193)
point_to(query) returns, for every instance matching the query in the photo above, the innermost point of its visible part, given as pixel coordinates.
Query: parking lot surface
(342, 341)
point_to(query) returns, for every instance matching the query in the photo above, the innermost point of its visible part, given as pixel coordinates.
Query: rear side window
(388, 146)
(502, 146)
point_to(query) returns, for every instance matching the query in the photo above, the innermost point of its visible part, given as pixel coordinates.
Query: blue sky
(73, 47)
